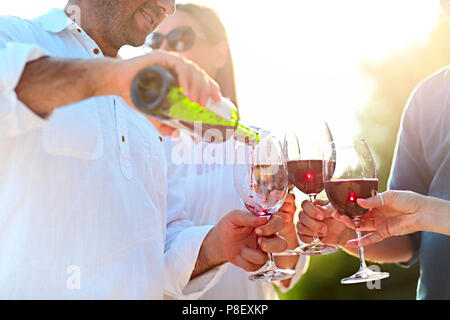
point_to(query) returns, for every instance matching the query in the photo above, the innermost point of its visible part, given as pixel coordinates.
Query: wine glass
(260, 178)
(350, 173)
(303, 149)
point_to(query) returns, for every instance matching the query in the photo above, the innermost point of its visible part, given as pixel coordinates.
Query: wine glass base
(272, 275)
(365, 275)
(311, 250)
(288, 252)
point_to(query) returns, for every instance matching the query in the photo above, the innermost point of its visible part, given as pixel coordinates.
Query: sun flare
(300, 59)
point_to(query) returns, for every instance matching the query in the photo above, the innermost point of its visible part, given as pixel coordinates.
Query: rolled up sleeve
(180, 262)
(15, 117)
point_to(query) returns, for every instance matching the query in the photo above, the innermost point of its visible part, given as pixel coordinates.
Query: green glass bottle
(155, 91)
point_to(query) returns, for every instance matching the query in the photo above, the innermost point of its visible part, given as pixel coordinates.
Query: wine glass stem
(315, 239)
(362, 261)
(270, 261)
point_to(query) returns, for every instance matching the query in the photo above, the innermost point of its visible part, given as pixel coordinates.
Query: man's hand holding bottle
(197, 84)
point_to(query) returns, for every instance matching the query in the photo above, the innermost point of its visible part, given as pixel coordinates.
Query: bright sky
(299, 59)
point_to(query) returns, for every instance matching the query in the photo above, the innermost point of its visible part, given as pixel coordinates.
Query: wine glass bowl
(306, 175)
(344, 193)
(349, 174)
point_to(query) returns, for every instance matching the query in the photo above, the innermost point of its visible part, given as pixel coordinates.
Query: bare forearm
(435, 216)
(208, 256)
(49, 83)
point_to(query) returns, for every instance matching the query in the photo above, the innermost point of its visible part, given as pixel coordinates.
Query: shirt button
(79, 30)
(96, 51)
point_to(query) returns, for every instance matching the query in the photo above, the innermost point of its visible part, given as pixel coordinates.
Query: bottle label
(184, 113)
(184, 109)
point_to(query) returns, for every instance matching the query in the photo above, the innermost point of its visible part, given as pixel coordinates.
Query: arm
(194, 260)
(195, 256)
(32, 84)
(240, 238)
(32, 81)
(435, 216)
(49, 83)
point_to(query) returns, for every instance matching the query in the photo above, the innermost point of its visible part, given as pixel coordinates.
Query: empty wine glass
(350, 173)
(260, 178)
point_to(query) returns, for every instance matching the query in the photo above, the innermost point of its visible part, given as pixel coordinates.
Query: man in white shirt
(83, 188)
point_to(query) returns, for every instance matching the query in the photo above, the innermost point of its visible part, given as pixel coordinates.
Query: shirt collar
(54, 21)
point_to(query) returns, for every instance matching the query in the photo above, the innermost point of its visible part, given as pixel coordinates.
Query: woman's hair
(215, 32)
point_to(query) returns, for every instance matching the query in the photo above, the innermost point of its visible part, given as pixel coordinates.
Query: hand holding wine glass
(396, 213)
(260, 178)
(233, 239)
(237, 232)
(318, 219)
(303, 149)
(349, 174)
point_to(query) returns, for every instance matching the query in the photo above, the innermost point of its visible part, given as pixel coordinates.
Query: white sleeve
(183, 243)
(300, 269)
(15, 117)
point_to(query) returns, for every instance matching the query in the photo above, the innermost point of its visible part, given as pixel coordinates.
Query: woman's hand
(317, 218)
(395, 213)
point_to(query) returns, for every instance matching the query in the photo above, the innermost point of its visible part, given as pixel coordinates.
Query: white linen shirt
(209, 193)
(83, 193)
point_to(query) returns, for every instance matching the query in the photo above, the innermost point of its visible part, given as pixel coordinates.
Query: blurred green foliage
(322, 281)
(393, 80)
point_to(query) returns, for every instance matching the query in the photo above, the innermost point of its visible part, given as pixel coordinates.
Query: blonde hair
(215, 32)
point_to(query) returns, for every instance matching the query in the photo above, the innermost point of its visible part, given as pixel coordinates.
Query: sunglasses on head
(179, 39)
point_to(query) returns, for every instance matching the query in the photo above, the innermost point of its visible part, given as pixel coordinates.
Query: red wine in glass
(353, 177)
(306, 175)
(256, 210)
(303, 149)
(344, 193)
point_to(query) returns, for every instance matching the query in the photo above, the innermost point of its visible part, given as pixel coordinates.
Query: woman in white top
(197, 33)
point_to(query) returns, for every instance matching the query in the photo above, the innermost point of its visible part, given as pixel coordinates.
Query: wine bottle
(155, 91)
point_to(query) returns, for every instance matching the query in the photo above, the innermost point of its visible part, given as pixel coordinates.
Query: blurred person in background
(422, 165)
(83, 177)
(197, 33)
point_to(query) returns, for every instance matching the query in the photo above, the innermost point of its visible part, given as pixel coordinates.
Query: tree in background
(393, 79)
